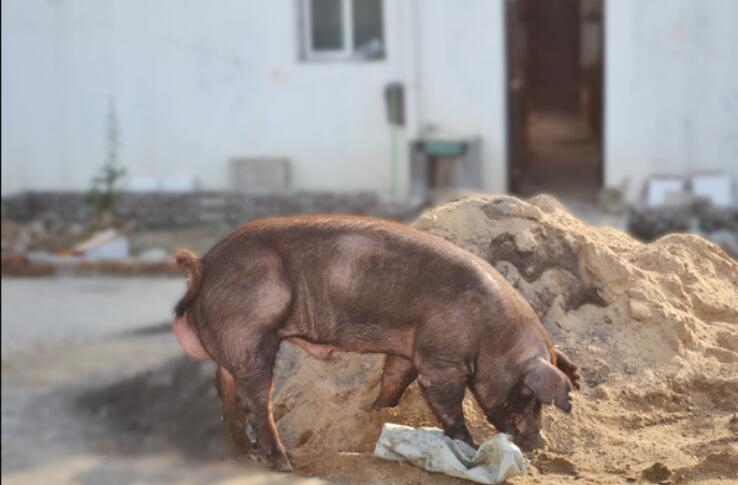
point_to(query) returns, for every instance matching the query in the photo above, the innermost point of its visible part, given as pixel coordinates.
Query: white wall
(463, 77)
(196, 83)
(671, 88)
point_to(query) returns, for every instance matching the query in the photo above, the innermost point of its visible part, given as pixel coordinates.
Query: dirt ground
(87, 390)
(653, 327)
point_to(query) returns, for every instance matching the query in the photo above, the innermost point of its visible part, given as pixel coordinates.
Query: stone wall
(172, 210)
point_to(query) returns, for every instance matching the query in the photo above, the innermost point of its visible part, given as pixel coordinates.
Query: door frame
(515, 114)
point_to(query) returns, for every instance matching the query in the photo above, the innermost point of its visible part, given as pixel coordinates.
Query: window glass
(367, 25)
(327, 19)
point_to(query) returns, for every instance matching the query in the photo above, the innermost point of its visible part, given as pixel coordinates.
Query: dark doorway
(555, 66)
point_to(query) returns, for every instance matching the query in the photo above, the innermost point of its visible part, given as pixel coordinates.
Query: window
(342, 29)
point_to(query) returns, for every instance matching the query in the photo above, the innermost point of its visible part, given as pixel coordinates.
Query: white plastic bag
(496, 460)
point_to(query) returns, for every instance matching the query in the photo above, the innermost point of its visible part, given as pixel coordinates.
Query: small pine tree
(103, 193)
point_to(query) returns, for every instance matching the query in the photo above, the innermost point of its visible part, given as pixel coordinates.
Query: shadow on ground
(173, 407)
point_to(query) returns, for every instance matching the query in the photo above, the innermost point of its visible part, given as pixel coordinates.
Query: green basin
(444, 148)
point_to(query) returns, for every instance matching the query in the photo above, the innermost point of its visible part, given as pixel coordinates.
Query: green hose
(393, 159)
(393, 150)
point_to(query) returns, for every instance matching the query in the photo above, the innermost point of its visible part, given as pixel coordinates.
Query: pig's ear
(549, 384)
(565, 365)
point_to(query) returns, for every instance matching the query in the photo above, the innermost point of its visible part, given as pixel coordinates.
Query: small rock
(600, 393)
(550, 463)
(525, 242)
(657, 473)
(639, 310)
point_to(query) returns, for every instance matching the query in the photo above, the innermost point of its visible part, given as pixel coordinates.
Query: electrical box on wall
(394, 98)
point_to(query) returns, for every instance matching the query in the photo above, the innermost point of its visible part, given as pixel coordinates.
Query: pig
(440, 315)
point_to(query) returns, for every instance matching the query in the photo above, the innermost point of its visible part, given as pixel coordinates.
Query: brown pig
(439, 313)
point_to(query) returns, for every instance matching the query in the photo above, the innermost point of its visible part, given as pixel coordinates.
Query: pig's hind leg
(249, 320)
(397, 375)
(234, 419)
(254, 386)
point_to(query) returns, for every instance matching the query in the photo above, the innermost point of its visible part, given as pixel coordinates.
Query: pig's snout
(188, 339)
(529, 442)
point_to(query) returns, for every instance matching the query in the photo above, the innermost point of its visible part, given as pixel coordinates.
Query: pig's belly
(319, 351)
(188, 339)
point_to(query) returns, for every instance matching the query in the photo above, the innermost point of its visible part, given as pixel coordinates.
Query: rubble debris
(15, 264)
(103, 246)
(702, 203)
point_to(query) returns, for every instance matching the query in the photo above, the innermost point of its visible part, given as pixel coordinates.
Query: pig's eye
(518, 419)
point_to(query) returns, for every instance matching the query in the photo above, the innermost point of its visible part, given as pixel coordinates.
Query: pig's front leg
(444, 385)
(397, 375)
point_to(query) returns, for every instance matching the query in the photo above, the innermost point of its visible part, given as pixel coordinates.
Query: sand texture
(654, 328)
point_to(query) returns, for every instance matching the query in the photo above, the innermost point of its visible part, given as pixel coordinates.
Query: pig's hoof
(462, 435)
(380, 404)
(282, 463)
(241, 446)
(239, 442)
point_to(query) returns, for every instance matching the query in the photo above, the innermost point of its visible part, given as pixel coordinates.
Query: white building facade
(197, 83)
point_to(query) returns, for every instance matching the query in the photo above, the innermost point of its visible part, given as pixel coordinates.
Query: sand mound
(654, 328)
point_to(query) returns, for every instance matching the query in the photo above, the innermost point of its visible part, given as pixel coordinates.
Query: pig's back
(375, 262)
(340, 251)
(368, 272)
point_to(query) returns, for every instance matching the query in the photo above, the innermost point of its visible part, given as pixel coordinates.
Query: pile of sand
(654, 328)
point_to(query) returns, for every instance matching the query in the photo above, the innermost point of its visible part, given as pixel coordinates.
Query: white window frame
(346, 52)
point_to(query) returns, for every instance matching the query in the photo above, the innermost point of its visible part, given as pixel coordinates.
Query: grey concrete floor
(65, 336)
(52, 311)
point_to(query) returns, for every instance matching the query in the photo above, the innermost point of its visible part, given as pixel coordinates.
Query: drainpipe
(410, 72)
(393, 154)
(415, 71)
